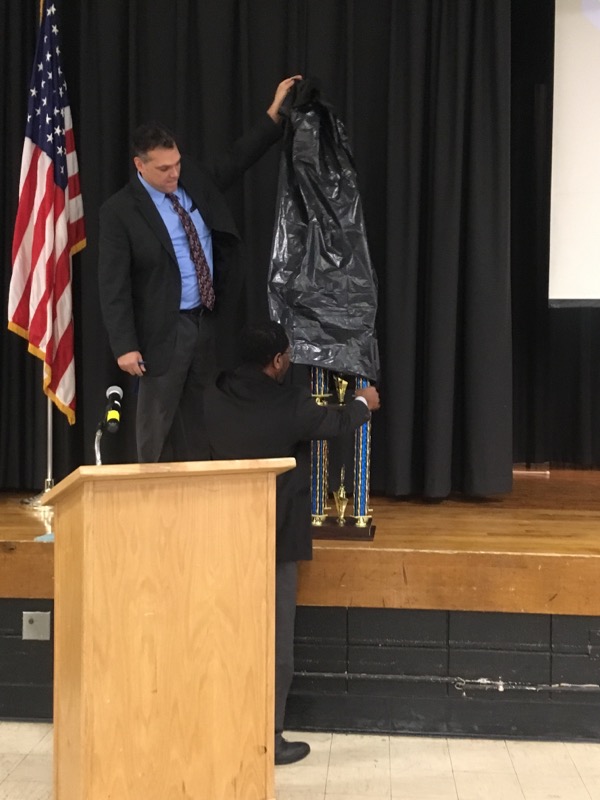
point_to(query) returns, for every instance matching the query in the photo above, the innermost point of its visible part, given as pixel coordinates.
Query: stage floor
(536, 550)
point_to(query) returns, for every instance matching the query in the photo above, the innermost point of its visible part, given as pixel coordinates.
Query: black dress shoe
(290, 752)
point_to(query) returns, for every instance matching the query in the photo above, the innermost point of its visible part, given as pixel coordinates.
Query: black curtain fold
(439, 126)
(447, 277)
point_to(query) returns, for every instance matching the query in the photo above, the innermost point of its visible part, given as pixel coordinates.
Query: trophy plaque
(328, 388)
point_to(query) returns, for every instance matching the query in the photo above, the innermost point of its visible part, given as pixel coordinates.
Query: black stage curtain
(424, 88)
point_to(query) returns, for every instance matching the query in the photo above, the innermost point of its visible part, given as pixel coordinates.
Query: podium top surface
(176, 469)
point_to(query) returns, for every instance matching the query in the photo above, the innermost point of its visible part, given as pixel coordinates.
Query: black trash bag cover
(321, 285)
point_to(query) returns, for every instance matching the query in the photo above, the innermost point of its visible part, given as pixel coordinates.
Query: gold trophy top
(341, 498)
(340, 386)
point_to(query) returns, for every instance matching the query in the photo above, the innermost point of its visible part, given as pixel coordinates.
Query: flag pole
(49, 483)
(35, 501)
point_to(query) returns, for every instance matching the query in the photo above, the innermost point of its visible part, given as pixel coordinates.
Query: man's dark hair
(262, 341)
(149, 136)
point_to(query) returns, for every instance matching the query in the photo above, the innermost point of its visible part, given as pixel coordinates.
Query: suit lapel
(209, 203)
(198, 198)
(150, 213)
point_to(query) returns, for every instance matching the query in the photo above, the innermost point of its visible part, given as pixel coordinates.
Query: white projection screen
(575, 197)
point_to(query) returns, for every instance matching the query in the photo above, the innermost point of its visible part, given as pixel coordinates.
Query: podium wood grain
(164, 635)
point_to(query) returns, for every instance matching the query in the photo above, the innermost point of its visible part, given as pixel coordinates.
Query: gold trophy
(358, 524)
(340, 386)
(341, 499)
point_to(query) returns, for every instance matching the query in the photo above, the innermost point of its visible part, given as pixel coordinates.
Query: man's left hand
(280, 95)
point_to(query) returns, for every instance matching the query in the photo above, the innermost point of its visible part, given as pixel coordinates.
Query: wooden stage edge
(536, 550)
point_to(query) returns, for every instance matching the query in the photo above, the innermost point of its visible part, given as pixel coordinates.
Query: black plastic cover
(321, 286)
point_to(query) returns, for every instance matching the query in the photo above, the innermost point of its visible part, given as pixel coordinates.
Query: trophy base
(331, 529)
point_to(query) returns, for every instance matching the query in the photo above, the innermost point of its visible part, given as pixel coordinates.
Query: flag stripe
(27, 194)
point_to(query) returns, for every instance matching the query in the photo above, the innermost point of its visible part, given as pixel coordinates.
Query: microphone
(112, 415)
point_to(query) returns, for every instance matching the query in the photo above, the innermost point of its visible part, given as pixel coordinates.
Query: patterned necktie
(197, 254)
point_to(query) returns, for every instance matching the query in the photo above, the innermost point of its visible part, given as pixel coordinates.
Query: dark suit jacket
(140, 282)
(250, 415)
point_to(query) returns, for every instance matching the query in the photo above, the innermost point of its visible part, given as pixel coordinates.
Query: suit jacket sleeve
(245, 151)
(324, 422)
(114, 274)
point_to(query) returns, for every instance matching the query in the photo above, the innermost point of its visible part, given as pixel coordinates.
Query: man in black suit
(251, 413)
(160, 326)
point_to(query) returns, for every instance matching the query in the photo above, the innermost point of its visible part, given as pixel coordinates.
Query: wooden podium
(164, 631)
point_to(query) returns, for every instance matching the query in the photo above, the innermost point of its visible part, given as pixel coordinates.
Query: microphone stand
(100, 428)
(97, 440)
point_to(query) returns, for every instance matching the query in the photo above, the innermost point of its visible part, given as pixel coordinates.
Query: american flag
(49, 227)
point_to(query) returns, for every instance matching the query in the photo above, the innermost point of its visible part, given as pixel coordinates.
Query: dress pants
(170, 416)
(286, 584)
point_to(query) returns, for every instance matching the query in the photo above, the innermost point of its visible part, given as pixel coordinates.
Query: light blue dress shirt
(190, 291)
